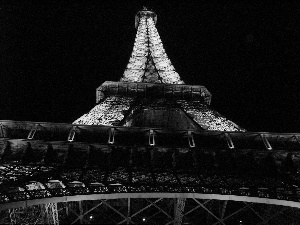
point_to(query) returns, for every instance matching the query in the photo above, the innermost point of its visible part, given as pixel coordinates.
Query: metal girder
(85, 213)
(232, 214)
(210, 212)
(196, 207)
(223, 210)
(81, 215)
(27, 215)
(249, 206)
(51, 214)
(265, 221)
(12, 216)
(128, 210)
(80, 212)
(179, 209)
(256, 213)
(160, 209)
(141, 210)
(117, 211)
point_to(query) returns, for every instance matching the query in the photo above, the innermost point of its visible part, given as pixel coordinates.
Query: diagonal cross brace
(219, 220)
(143, 209)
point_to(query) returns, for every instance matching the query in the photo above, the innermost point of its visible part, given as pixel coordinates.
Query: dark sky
(54, 56)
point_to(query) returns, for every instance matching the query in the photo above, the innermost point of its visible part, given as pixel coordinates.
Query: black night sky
(53, 57)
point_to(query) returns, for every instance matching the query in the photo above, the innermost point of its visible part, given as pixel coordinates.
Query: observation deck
(146, 14)
(152, 90)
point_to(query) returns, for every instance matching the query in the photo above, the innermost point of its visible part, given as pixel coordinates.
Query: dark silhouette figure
(7, 152)
(270, 167)
(70, 161)
(75, 159)
(207, 161)
(221, 163)
(288, 165)
(197, 155)
(51, 156)
(29, 154)
(230, 162)
(94, 157)
(251, 167)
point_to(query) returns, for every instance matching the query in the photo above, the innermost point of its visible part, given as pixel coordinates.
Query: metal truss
(27, 215)
(124, 211)
(152, 211)
(179, 209)
(51, 213)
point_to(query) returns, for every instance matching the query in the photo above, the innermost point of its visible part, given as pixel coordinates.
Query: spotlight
(144, 219)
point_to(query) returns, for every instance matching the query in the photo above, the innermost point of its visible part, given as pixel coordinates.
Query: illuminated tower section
(149, 62)
(151, 93)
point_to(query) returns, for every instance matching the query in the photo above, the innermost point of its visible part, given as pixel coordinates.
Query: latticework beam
(51, 214)
(179, 209)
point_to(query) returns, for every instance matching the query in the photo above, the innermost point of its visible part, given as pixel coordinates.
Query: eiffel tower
(151, 93)
(152, 151)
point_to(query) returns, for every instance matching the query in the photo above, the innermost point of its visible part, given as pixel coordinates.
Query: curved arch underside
(92, 197)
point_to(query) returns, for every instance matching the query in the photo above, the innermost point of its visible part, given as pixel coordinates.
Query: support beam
(229, 141)
(232, 214)
(71, 135)
(223, 210)
(51, 213)
(2, 131)
(85, 213)
(274, 215)
(266, 142)
(256, 213)
(80, 212)
(179, 209)
(219, 220)
(31, 133)
(78, 217)
(151, 138)
(117, 211)
(160, 209)
(128, 211)
(12, 216)
(198, 206)
(141, 210)
(191, 139)
(111, 136)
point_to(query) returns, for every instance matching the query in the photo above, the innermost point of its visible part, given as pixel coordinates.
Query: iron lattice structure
(151, 151)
